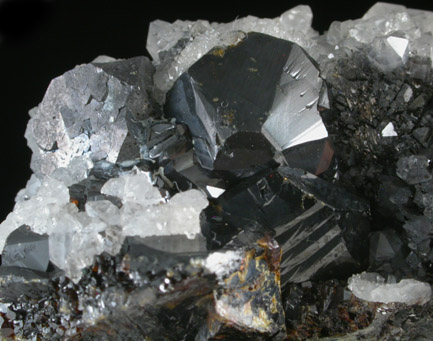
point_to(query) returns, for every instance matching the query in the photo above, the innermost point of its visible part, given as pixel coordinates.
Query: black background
(40, 40)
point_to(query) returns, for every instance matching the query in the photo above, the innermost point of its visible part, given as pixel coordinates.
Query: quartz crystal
(175, 47)
(254, 181)
(372, 287)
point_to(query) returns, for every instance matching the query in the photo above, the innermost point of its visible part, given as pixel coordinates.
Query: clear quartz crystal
(174, 47)
(372, 287)
(76, 237)
(389, 33)
(133, 188)
(40, 211)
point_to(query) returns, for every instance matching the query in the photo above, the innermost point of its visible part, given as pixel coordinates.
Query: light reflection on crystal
(246, 220)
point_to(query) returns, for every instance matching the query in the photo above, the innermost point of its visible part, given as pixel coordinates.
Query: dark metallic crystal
(26, 249)
(246, 101)
(315, 157)
(148, 291)
(322, 229)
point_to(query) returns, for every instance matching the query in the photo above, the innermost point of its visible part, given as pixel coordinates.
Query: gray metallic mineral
(83, 116)
(114, 239)
(26, 249)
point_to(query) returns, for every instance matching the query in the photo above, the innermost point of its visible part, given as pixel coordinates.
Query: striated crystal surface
(320, 228)
(242, 103)
(254, 181)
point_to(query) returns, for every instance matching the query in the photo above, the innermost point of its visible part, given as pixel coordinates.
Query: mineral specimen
(241, 101)
(316, 224)
(372, 287)
(83, 117)
(236, 187)
(26, 249)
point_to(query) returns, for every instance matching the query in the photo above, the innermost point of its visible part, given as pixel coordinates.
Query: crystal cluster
(255, 180)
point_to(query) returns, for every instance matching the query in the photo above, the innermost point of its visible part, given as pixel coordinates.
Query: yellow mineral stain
(229, 117)
(261, 321)
(219, 52)
(274, 305)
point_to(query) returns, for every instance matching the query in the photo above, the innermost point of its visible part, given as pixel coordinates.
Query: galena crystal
(256, 180)
(84, 115)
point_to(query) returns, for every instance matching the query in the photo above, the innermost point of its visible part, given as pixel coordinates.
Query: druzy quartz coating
(255, 181)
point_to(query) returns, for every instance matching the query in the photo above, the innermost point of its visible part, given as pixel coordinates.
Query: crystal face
(25, 249)
(243, 102)
(255, 181)
(83, 116)
(316, 224)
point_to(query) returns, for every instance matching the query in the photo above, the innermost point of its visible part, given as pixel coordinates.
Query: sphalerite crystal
(242, 103)
(255, 181)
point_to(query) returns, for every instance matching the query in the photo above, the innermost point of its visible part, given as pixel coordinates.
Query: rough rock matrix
(254, 181)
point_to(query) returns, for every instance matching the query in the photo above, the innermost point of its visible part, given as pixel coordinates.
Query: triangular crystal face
(26, 249)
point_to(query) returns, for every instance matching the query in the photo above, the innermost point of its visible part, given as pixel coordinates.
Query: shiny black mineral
(244, 205)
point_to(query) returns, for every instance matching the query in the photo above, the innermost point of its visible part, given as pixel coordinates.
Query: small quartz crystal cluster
(254, 181)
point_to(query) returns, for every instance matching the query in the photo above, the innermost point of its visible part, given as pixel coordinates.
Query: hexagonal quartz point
(244, 102)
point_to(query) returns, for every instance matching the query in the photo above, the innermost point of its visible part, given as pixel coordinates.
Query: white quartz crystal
(179, 216)
(133, 188)
(372, 287)
(40, 212)
(175, 47)
(76, 237)
(30, 190)
(388, 33)
(144, 212)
